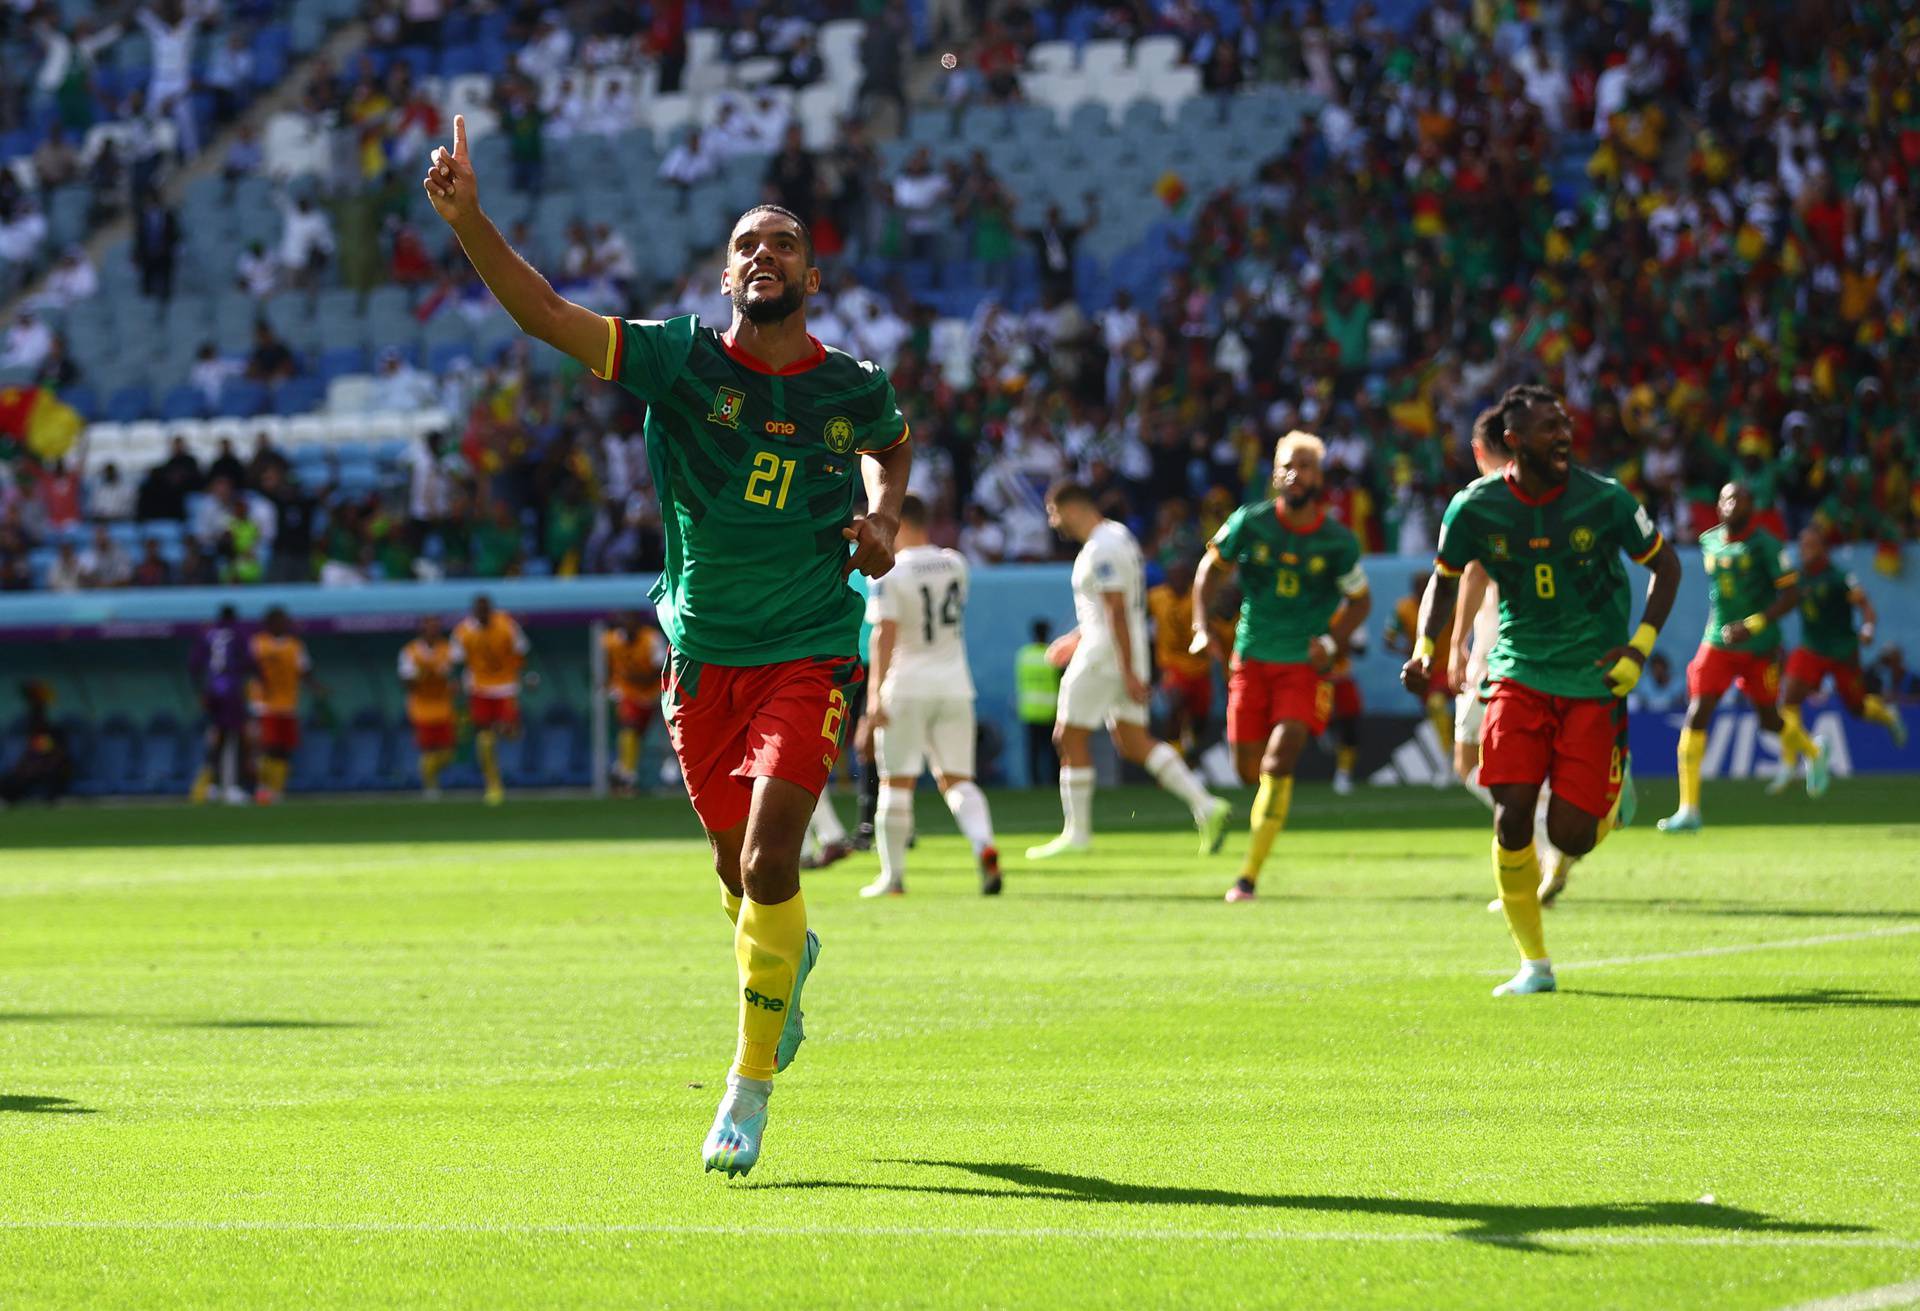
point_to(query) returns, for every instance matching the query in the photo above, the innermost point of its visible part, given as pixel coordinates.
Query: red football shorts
(634, 713)
(434, 736)
(1577, 744)
(1346, 699)
(732, 724)
(1810, 668)
(1262, 693)
(279, 733)
(1713, 670)
(1192, 694)
(494, 711)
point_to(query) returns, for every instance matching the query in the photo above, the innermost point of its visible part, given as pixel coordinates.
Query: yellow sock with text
(1344, 757)
(1270, 806)
(1518, 875)
(431, 763)
(767, 943)
(1693, 749)
(1794, 741)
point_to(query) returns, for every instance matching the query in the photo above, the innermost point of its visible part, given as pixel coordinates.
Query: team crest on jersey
(1497, 546)
(839, 434)
(1582, 539)
(1260, 553)
(727, 404)
(1316, 565)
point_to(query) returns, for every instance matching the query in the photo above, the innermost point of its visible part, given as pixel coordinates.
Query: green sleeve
(645, 355)
(1634, 523)
(878, 424)
(1226, 541)
(1457, 547)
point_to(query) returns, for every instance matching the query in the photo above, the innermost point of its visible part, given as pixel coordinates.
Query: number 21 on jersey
(767, 467)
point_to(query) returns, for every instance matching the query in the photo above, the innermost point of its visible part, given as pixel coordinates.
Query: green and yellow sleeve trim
(616, 341)
(1790, 578)
(1648, 554)
(906, 431)
(1446, 570)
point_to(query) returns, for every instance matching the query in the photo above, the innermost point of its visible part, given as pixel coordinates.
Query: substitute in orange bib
(494, 650)
(282, 666)
(633, 653)
(426, 670)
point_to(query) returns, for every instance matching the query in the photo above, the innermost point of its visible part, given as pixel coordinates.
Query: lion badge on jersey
(1583, 539)
(839, 434)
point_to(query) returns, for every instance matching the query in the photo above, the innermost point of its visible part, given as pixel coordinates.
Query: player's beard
(763, 311)
(1299, 498)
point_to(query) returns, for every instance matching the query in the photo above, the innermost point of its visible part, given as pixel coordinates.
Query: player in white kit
(1106, 677)
(922, 700)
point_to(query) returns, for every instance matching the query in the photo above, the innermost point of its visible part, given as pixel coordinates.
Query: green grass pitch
(383, 1053)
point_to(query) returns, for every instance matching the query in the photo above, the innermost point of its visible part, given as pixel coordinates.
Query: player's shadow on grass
(270, 1024)
(1515, 1226)
(1801, 999)
(30, 1104)
(241, 1023)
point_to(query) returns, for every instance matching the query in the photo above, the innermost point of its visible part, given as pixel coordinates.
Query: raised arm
(519, 287)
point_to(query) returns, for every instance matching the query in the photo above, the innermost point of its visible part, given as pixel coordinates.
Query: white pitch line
(1575, 1238)
(1738, 949)
(1867, 1299)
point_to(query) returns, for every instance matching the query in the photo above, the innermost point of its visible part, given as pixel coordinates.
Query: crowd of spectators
(1698, 221)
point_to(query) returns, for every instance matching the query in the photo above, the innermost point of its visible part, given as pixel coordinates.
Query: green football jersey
(1291, 582)
(1743, 578)
(757, 474)
(1826, 614)
(1564, 597)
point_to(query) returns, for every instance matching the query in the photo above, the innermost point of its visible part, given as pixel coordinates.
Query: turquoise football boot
(733, 1144)
(1681, 821)
(1819, 770)
(1528, 980)
(1629, 799)
(795, 1031)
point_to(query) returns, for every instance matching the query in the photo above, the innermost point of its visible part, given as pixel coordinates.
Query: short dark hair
(1515, 401)
(1487, 428)
(806, 233)
(1041, 630)
(1066, 491)
(913, 510)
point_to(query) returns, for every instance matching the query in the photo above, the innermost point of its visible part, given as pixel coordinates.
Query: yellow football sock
(767, 943)
(1518, 874)
(1876, 711)
(485, 747)
(202, 785)
(431, 763)
(1693, 749)
(1794, 741)
(1343, 758)
(273, 775)
(730, 903)
(1270, 806)
(629, 751)
(1440, 715)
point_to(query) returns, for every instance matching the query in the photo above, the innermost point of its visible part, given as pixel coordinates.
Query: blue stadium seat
(112, 767)
(82, 398)
(316, 765)
(364, 763)
(302, 395)
(184, 401)
(242, 398)
(131, 402)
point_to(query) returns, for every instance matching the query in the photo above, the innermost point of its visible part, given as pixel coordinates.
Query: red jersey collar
(1513, 485)
(1740, 536)
(1280, 513)
(758, 365)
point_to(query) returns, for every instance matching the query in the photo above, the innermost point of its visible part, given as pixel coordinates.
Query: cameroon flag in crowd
(39, 421)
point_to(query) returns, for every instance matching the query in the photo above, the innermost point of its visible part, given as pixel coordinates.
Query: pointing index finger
(460, 137)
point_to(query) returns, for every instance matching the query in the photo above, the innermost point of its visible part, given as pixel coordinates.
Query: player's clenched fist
(450, 182)
(1417, 674)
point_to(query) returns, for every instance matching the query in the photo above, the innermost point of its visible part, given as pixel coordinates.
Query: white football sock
(969, 806)
(825, 824)
(1076, 802)
(1171, 773)
(894, 822)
